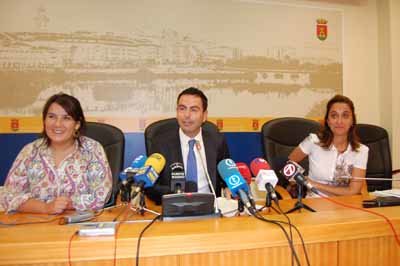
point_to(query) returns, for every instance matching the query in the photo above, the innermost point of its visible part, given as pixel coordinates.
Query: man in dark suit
(210, 148)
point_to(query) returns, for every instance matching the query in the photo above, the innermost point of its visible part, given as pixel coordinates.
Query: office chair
(379, 158)
(280, 136)
(113, 141)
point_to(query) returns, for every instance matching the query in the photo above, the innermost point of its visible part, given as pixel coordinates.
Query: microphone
(124, 187)
(136, 164)
(263, 173)
(271, 191)
(232, 177)
(177, 177)
(235, 182)
(210, 185)
(293, 170)
(245, 172)
(126, 177)
(148, 174)
(77, 218)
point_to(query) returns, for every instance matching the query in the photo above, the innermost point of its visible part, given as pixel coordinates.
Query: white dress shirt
(201, 161)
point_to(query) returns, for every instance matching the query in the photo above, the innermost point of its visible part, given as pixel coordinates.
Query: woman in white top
(335, 154)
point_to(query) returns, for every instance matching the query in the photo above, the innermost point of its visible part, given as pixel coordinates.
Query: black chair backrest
(158, 128)
(280, 136)
(379, 158)
(113, 141)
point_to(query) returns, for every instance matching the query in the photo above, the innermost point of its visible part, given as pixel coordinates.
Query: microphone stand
(141, 207)
(299, 204)
(268, 201)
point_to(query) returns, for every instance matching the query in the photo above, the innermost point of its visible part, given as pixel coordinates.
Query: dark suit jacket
(169, 146)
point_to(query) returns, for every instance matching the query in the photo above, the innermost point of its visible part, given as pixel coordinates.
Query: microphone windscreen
(139, 161)
(232, 177)
(146, 176)
(264, 177)
(259, 164)
(244, 171)
(227, 167)
(177, 177)
(157, 161)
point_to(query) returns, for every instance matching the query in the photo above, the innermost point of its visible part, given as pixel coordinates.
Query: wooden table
(333, 235)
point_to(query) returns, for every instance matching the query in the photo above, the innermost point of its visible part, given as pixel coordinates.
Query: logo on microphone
(138, 159)
(289, 170)
(230, 163)
(176, 167)
(234, 180)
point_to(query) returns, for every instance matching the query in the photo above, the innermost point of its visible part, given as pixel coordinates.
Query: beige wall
(360, 60)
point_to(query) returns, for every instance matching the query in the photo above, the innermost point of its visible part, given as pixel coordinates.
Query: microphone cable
(121, 212)
(15, 222)
(268, 199)
(387, 220)
(268, 204)
(322, 195)
(141, 235)
(258, 216)
(297, 230)
(278, 223)
(118, 225)
(69, 246)
(272, 197)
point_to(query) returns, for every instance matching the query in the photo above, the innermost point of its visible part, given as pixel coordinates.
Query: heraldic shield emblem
(322, 29)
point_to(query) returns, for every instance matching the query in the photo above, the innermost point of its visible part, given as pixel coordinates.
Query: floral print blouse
(84, 176)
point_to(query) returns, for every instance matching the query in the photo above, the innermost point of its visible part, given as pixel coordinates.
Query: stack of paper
(390, 192)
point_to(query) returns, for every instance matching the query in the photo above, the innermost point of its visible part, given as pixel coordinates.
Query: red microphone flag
(259, 164)
(244, 171)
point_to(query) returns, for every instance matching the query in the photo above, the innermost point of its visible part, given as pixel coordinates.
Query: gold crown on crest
(322, 21)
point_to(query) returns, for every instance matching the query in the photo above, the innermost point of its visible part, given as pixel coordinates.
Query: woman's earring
(76, 133)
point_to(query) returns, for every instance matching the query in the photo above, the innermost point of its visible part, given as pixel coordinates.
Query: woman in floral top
(61, 171)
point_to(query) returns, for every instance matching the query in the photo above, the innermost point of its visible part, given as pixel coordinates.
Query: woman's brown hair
(325, 134)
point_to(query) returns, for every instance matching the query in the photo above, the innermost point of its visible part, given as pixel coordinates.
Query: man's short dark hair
(196, 92)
